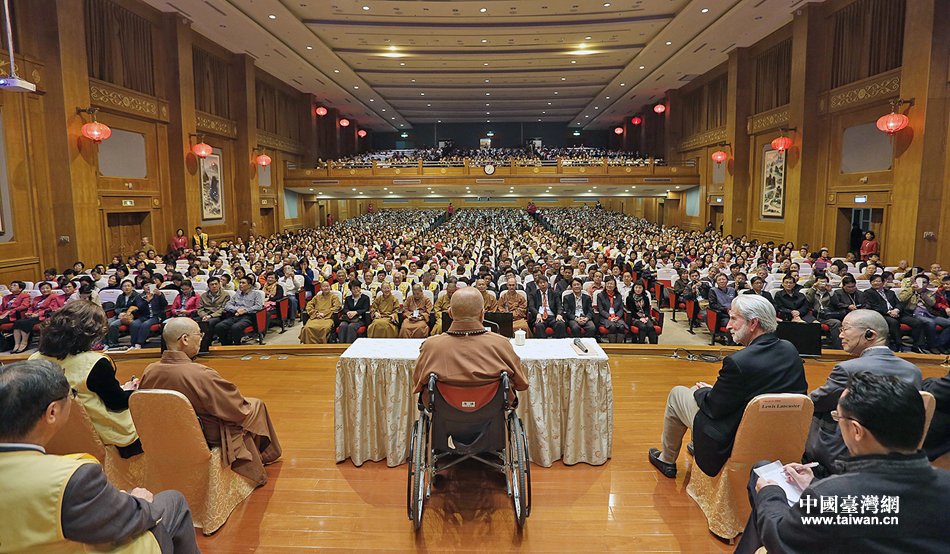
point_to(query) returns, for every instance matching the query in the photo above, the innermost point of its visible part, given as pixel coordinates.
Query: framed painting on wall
(212, 203)
(773, 183)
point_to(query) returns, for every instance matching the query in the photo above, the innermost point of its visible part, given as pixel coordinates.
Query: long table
(567, 409)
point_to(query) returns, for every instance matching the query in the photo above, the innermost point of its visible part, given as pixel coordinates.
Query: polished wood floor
(311, 503)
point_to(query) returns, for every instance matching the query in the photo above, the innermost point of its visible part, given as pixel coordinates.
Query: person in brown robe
(385, 315)
(320, 309)
(467, 354)
(491, 304)
(516, 304)
(415, 315)
(442, 304)
(241, 426)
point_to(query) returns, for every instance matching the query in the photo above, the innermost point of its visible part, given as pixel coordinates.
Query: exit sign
(128, 202)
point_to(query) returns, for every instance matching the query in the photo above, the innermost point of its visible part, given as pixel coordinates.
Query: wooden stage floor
(310, 502)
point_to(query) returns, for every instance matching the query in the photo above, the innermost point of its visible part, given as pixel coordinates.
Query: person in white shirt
(292, 284)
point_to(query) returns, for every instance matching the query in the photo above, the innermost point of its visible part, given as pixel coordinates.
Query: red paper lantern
(96, 132)
(618, 130)
(263, 160)
(659, 108)
(782, 144)
(892, 123)
(361, 133)
(636, 121)
(344, 123)
(719, 156)
(201, 150)
(321, 111)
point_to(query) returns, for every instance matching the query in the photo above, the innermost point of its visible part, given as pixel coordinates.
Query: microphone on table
(580, 344)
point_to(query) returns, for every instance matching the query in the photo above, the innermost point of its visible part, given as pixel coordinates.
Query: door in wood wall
(124, 232)
(267, 221)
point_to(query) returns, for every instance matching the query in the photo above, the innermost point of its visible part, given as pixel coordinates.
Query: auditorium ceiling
(390, 64)
(501, 192)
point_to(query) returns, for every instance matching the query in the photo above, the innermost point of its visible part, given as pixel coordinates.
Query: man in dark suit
(888, 497)
(864, 335)
(766, 365)
(577, 310)
(61, 502)
(544, 310)
(884, 302)
(846, 299)
(791, 305)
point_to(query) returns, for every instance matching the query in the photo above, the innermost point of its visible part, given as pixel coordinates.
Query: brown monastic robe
(514, 303)
(442, 304)
(316, 330)
(383, 328)
(240, 426)
(418, 329)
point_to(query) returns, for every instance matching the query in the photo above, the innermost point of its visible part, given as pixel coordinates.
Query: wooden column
(244, 106)
(738, 184)
(183, 166)
(921, 165)
(308, 128)
(73, 162)
(802, 203)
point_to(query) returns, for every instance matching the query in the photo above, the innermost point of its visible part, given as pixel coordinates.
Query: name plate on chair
(780, 405)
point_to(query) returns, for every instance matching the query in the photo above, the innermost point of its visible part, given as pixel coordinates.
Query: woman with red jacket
(186, 303)
(40, 310)
(13, 303)
(869, 246)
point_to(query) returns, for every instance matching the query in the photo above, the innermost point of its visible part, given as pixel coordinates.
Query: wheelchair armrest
(432, 380)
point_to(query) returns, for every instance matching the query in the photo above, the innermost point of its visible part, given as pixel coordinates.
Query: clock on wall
(489, 169)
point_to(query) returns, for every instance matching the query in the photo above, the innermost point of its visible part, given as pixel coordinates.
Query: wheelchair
(475, 422)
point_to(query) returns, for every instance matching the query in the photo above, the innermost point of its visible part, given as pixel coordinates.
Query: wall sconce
(95, 131)
(894, 122)
(200, 149)
(783, 143)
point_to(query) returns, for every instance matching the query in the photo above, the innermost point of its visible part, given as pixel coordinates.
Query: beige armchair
(79, 436)
(774, 427)
(178, 458)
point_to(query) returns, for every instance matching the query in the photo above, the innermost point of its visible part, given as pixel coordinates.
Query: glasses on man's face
(199, 334)
(73, 393)
(838, 417)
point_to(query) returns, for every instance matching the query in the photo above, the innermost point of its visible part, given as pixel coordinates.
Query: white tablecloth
(567, 409)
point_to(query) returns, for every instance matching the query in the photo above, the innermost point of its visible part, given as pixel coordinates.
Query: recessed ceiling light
(413, 80)
(385, 188)
(354, 189)
(586, 116)
(572, 61)
(371, 100)
(428, 104)
(555, 92)
(390, 192)
(705, 10)
(336, 70)
(641, 67)
(608, 98)
(633, 187)
(563, 79)
(365, 7)
(402, 63)
(486, 80)
(623, 84)
(486, 63)
(586, 38)
(356, 88)
(488, 104)
(487, 94)
(392, 118)
(484, 40)
(483, 10)
(311, 190)
(668, 43)
(607, 4)
(384, 109)
(310, 48)
(677, 187)
(422, 94)
(272, 16)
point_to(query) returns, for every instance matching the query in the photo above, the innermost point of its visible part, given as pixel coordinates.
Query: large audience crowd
(452, 156)
(628, 267)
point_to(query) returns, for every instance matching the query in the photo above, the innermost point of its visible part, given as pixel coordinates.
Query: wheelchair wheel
(518, 469)
(418, 470)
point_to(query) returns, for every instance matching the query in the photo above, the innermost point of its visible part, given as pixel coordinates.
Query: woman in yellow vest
(67, 339)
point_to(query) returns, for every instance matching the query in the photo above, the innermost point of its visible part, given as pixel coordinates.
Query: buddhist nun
(321, 309)
(415, 315)
(385, 315)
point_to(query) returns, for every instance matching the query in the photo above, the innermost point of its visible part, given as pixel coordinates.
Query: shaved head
(467, 305)
(175, 328)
